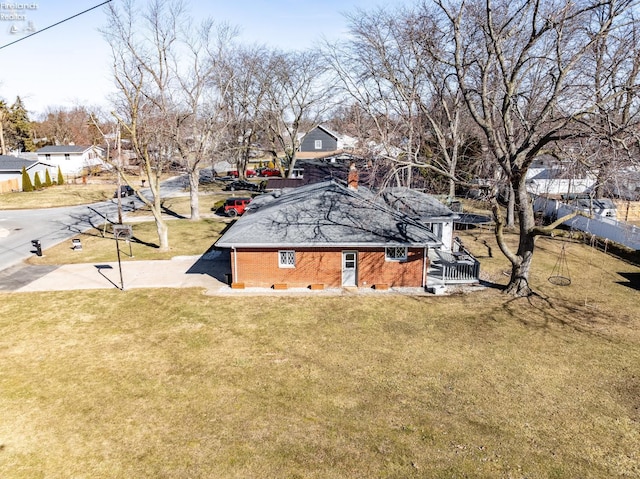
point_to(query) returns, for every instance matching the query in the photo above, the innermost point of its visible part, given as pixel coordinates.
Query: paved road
(50, 226)
(54, 225)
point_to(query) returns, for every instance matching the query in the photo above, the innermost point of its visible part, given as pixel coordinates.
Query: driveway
(181, 272)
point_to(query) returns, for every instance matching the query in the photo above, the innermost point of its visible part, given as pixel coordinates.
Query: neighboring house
(328, 234)
(73, 159)
(11, 172)
(598, 207)
(549, 177)
(321, 139)
(331, 166)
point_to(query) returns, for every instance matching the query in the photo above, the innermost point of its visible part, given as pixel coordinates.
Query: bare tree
(62, 126)
(525, 71)
(298, 93)
(392, 68)
(142, 42)
(197, 125)
(243, 100)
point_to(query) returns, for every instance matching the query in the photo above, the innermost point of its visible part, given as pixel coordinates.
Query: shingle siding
(329, 142)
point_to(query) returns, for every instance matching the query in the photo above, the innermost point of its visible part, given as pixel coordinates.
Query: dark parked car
(235, 206)
(244, 185)
(125, 190)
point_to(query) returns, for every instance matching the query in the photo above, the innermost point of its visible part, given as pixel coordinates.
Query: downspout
(234, 276)
(424, 267)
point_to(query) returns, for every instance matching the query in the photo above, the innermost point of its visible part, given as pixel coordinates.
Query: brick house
(327, 234)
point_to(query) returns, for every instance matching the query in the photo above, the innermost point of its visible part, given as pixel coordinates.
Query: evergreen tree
(20, 129)
(37, 183)
(26, 180)
(47, 179)
(60, 176)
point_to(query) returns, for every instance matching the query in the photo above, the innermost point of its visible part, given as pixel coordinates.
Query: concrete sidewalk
(179, 272)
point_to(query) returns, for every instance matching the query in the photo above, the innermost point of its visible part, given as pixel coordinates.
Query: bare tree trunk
(156, 209)
(521, 260)
(163, 235)
(194, 200)
(511, 207)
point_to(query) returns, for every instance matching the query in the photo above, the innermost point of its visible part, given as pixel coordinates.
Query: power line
(55, 24)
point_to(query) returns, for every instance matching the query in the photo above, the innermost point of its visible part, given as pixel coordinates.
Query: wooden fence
(7, 186)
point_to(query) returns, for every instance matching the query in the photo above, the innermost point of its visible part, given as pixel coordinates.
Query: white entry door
(349, 268)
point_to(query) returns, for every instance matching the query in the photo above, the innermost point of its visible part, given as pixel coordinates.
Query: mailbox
(36, 244)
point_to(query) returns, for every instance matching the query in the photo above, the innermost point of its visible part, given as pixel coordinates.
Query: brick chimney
(352, 179)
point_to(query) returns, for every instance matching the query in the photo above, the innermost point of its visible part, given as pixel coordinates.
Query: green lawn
(175, 383)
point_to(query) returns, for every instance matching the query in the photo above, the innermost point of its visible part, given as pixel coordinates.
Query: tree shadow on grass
(537, 311)
(168, 211)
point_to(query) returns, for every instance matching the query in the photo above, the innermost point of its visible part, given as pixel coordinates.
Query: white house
(550, 177)
(11, 172)
(73, 159)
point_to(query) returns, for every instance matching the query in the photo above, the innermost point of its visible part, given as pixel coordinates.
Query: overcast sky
(69, 64)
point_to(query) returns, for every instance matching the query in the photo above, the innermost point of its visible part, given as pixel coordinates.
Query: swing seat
(559, 280)
(560, 273)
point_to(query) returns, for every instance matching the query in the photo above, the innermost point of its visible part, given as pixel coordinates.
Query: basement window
(286, 259)
(395, 253)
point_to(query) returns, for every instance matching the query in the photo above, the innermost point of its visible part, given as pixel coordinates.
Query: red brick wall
(259, 268)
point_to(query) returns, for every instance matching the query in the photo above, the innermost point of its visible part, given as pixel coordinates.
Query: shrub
(60, 177)
(47, 179)
(26, 181)
(37, 182)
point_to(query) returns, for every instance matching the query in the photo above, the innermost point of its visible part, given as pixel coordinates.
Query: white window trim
(317, 144)
(289, 257)
(395, 253)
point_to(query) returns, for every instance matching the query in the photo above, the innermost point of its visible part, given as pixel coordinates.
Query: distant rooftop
(12, 163)
(63, 149)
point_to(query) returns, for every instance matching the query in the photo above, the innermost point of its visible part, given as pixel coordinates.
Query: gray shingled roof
(325, 214)
(12, 163)
(417, 204)
(63, 149)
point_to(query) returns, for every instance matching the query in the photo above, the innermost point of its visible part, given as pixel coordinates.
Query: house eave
(429, 244)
